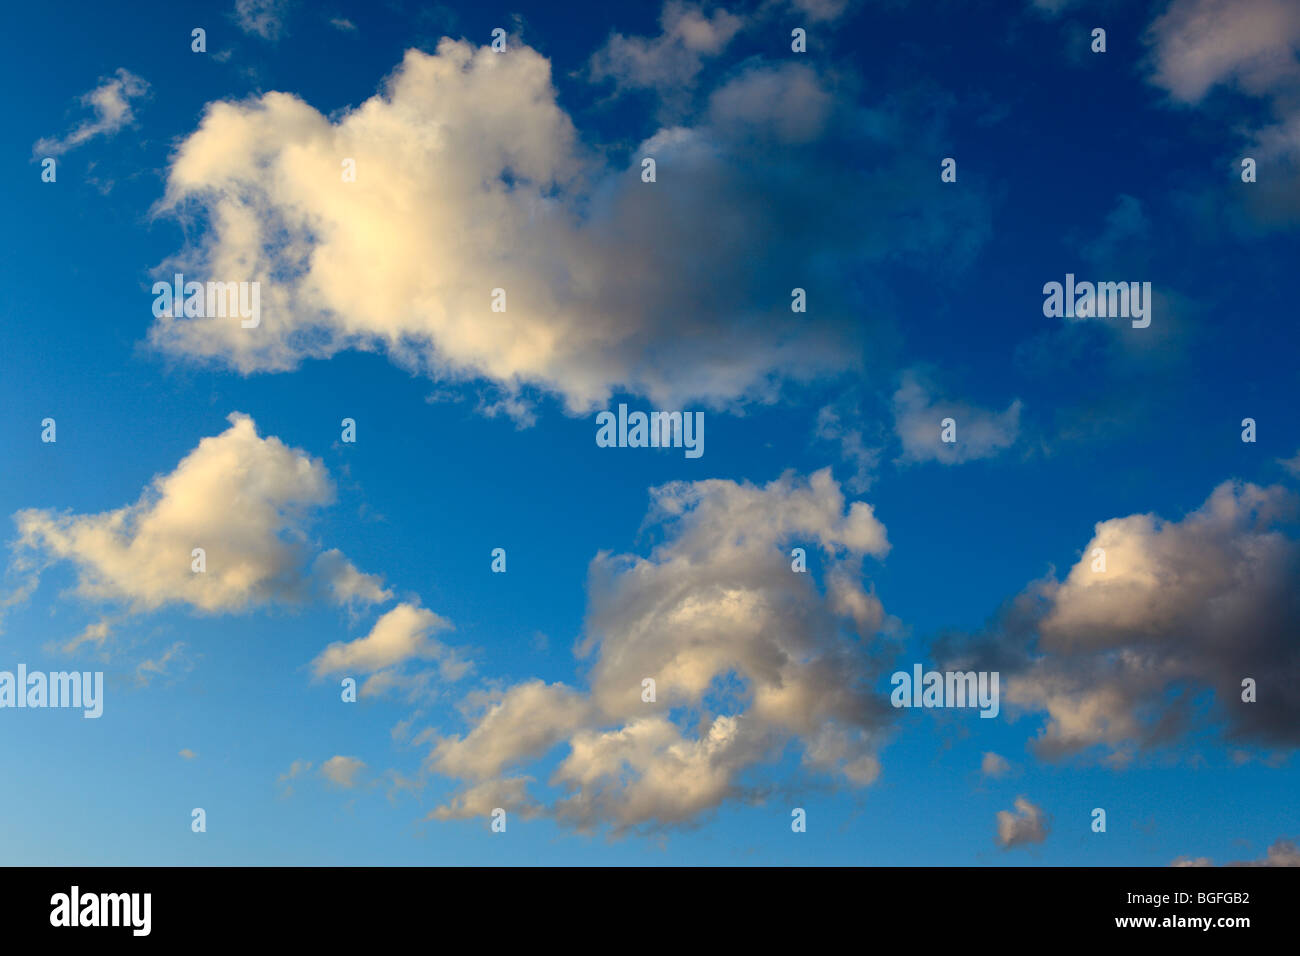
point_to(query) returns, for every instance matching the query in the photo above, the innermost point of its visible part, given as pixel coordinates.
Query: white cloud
(1252, 46)
(525, 720)
(755, 654)
(671, 59)
(111, 101)
(96, 633)
(994, 765)
(166, 662)
(479, 800)
(786, 101)
(1118, 658)
(402, 635)
(245, 500)
(342, 771)
(918, 414)
(1026, 825)
(471, 178)
(348, 585)
(296, 769)
(1199, 44)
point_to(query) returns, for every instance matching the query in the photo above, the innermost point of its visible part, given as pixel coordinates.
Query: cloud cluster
(746, 655)
(1157, 621)
(471, 178)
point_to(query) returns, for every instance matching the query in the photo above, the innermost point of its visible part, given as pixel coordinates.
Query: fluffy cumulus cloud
(1025, 825)
(919, 412)
(246, 500)
(746, 655)
(111, 103)
(402, 636)
(471, 178)
(1199, 44)
(1127, 654)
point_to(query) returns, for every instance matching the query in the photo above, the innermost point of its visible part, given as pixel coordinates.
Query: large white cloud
(247, 501)
(1122, 657)
(746, 654)
(470, 178)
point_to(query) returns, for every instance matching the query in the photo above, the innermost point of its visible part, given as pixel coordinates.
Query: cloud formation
(1251, 47)
(671, 59)
(261, 18)
(1123, 654)
(745, 653)
(402, 635)
(1199, 44)
(342, 771)
(111, 103)
(918, 417)
(245, 500)
(470, 178)
(994, 765)
(1022, 827)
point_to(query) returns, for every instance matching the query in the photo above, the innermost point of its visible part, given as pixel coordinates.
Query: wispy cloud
(111, 104)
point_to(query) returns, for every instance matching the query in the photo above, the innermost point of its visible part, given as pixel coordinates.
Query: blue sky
(475, 430)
